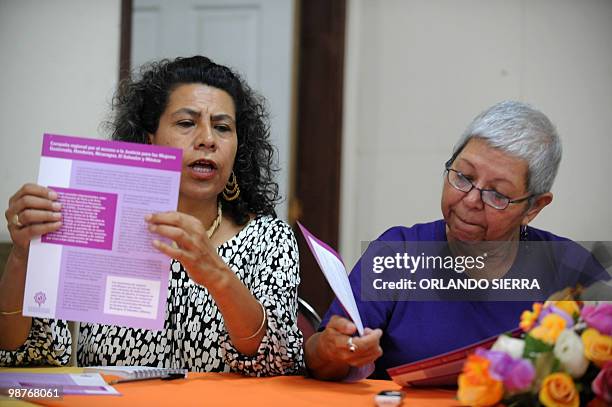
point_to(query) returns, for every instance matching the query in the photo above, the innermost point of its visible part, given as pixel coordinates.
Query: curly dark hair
(141, 100)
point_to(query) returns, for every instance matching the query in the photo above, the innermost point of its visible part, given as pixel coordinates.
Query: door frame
(319, 136)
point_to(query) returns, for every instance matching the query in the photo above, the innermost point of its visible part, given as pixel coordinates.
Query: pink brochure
(100, 266)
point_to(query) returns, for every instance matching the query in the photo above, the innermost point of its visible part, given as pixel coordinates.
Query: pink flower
(520, 376)
(602, 385)
(599, 317)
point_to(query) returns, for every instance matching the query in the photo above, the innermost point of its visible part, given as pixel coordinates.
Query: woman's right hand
(32, 212)
(334, 346)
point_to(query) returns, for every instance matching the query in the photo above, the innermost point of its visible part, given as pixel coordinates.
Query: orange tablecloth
(216, 389)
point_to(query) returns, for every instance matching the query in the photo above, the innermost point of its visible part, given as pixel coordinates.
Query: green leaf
(556, 365)
(534, 347)
(544, 364)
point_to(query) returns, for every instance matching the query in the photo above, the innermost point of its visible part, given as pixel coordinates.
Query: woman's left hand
(193, 248)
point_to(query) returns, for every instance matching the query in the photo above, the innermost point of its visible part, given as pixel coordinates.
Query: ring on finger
(15, 221)
(351, 346)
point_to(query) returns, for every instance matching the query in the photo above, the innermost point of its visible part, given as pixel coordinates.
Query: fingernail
(52, 195)
(56, 206)
(57, 215)
(156, 243)
(151, 228)
(148, 217)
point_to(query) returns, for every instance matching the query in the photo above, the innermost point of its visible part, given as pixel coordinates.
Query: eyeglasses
(489, 196)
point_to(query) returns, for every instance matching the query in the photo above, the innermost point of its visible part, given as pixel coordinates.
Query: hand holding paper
(191, 247)
(333, 268)
(359, 353)
(33, 211)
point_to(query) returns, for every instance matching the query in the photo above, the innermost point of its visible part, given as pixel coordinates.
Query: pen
(171, 376)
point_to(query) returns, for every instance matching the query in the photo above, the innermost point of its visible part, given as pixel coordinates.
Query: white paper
(336, 276)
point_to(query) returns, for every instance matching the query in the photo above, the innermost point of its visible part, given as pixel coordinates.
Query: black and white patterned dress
(264, 256)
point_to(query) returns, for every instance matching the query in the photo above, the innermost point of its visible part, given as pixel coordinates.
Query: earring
(231, 190)
(523, 235)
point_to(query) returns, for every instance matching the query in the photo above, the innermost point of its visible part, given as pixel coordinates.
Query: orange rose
(597, 347)
(529, 318)
(476, 386)
(558, 390)
(549, 329)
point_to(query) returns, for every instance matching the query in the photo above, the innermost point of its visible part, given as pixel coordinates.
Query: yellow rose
(558, 390)
(597, 347)
(570, 307)
(476, 386)
(549, 329)
(529, 318)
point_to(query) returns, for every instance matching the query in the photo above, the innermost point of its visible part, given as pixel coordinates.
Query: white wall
(418, 71)
(60, 62)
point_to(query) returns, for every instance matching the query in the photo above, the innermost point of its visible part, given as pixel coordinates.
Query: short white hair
(521, 131)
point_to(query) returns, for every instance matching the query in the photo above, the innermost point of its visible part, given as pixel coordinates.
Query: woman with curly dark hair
(233, 290)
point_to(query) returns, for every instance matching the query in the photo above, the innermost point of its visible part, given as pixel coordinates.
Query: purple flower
(501, 362)
(520, 376)
(599, 317)
(551, 309)
(516, 374)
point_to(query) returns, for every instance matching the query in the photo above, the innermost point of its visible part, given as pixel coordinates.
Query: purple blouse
(416, 330)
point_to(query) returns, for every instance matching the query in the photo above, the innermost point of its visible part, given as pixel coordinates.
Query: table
(226, 389)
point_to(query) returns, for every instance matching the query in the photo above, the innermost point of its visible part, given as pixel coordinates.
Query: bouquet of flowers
(564, 359)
